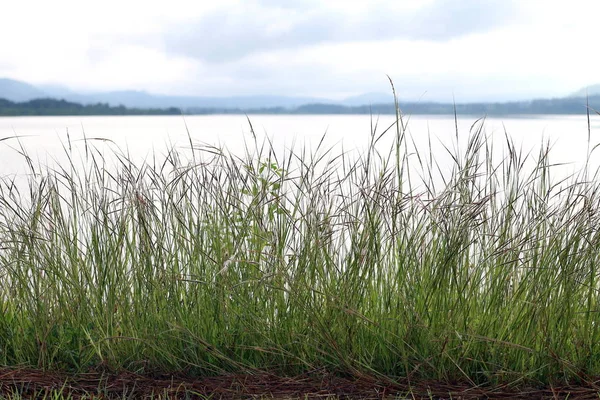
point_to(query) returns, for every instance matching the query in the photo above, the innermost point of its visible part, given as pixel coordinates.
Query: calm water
(46, 138)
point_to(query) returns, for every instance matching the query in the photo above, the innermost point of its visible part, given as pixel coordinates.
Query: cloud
(449, 19)
(229, 34)
(474, 49)
(234, 32)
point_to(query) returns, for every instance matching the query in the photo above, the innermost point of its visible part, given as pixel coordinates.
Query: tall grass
(485, 272)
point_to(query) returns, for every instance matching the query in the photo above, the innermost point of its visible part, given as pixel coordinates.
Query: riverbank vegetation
(380, 267)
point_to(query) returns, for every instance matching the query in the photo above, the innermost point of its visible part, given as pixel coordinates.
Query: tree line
(44, 107)
(567, 105)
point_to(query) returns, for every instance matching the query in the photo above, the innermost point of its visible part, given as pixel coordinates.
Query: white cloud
(228, 33)
(476, 49)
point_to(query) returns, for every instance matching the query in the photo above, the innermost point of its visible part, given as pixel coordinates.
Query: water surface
(48, 139)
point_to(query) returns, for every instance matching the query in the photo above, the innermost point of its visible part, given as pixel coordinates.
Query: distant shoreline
(559, 106)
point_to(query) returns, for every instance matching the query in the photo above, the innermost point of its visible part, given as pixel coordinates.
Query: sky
(436, 50)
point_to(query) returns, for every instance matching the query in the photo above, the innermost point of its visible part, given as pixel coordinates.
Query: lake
(46, 138)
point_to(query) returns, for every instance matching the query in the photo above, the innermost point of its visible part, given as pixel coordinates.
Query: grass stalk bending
(304, 262)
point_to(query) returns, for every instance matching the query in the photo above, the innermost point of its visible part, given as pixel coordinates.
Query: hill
(592, 90)
(19, 91)
(25, 99)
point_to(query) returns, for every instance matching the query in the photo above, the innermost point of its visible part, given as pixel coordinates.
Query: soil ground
(32, 383)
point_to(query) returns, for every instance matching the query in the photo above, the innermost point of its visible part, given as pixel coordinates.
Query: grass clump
(383, 265)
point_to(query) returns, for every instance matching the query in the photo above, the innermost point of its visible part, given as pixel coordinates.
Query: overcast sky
(433, 49)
